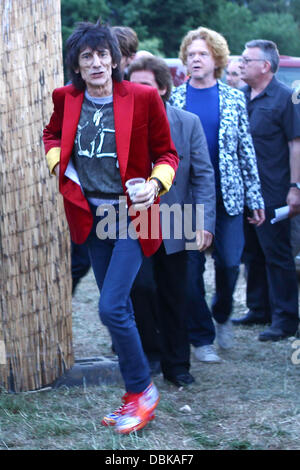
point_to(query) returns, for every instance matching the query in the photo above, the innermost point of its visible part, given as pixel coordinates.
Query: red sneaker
(137, 410)
(111, 418)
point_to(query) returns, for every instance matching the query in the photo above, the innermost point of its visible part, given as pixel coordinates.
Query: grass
(250, 401)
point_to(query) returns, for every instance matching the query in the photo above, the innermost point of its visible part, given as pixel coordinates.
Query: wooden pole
(35, 279)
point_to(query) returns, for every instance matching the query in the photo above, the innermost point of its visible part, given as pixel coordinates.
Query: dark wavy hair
(94, 36)
(160, 70)
(127, 39)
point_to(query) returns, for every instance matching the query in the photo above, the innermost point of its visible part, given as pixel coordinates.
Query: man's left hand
(145, 198)
(293, 200)
(203, 239)
(258, 217)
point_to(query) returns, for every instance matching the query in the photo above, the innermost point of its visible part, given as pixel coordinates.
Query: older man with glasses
(272, 289)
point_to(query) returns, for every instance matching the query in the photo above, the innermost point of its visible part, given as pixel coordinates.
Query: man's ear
(162, 91)
(267, 67)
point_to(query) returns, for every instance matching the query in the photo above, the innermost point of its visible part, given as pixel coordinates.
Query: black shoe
(275, 334)
(251, 318)
(180, 380)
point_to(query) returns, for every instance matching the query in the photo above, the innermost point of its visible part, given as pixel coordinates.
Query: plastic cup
(134, 186)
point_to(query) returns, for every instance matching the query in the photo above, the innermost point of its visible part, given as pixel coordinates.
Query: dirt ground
(249, 401)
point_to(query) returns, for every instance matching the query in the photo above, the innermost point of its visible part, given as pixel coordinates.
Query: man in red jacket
(103, 132)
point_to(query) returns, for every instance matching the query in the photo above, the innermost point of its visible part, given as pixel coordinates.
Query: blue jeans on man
(227, 252)
(116, 262)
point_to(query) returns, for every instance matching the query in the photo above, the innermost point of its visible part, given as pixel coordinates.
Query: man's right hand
(293, 200)
(203, 239)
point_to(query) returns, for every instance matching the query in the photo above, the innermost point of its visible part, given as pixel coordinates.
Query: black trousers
(80, 263)
(272, 287)
(159, 298)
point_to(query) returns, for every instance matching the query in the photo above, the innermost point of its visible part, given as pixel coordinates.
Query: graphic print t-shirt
(94, 153)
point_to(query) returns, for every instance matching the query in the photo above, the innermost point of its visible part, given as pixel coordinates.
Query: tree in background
(167, 21)
(234, 21)
(280, 28)
(263, 6)
(73, 11)
(161, 26)
(295, 10)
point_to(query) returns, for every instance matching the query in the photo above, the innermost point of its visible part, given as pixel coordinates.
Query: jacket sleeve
(202, 176)
(162, 149)
(52, 133)
(247, 158)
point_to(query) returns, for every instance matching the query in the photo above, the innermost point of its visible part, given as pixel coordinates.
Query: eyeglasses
(245, 60)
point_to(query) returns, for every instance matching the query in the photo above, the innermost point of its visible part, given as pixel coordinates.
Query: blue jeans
(227, 252)
(116, 262)
(228, 248)
(200, 323)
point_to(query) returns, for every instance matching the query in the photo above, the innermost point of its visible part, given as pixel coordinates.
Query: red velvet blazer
(144, 148)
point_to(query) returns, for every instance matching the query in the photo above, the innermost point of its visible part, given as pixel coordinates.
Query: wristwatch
(295, 185)
(158, 186)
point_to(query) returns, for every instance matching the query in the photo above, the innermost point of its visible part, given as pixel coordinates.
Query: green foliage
(235, 23)
(262, 6)
(73, 11)
(168, 20)
(153, 45)
(161, 26)
(295, 10)
(280, 28)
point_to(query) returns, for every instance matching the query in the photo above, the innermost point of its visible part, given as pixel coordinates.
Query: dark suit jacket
(142, 139)
(194, 182)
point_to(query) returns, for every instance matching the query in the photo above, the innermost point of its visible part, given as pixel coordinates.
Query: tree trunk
(35, 279)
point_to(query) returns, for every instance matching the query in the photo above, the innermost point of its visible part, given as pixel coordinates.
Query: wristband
(295, 185)
(157, 186)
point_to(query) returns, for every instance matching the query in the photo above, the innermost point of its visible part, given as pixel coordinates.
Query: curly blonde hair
(216, 43)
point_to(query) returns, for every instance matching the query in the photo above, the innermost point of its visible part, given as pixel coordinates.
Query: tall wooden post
(35, 280)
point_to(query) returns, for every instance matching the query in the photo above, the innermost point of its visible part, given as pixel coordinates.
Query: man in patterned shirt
(223, 114)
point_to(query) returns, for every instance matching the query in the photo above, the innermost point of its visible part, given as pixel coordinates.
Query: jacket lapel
(222, 100)
(175, 128)
(225, 116)
(123, 115)
(72, 109)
